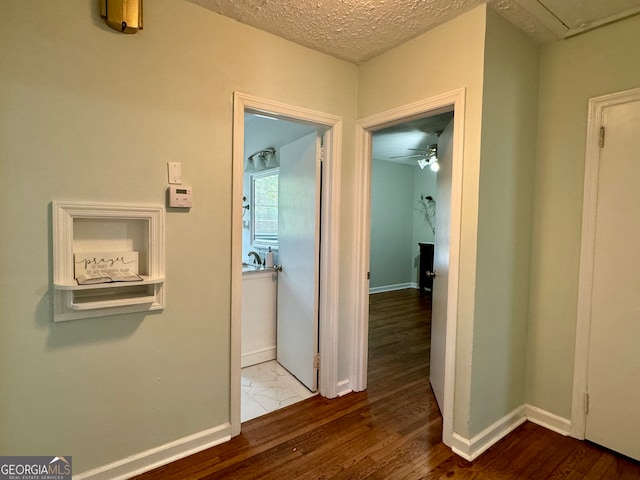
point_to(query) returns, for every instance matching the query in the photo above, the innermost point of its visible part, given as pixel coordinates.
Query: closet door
(613, 373)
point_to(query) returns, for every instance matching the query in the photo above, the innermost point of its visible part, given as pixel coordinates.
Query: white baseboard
(470, 449)
(391, 288)
(548, 420)
(156, 457)
(344, 387)
(259, 356)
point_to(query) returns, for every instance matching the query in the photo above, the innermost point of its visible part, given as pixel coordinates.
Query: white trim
(446, 102)
(64, 215)
(191, 444)
(548, 420)
(258, 356)
(330, 223)
(587, 241)
(471, 449)
(159, 456)
(344, 387)
(393, 288)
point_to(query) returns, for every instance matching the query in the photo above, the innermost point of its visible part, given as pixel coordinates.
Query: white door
(299, 241)
(613, 372)
(441, 264)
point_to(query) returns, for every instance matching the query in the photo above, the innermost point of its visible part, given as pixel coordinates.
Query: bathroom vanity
(259, 306)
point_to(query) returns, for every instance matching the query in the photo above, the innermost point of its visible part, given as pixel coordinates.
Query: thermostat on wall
(180, 196)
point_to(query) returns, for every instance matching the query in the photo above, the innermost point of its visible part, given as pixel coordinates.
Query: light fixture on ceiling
(262, 159)
(249, 165)
(431, 158)
(428, 157)
(432, 163)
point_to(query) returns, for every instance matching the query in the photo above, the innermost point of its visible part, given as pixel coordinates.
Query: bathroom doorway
(280, 256)
(278, 155)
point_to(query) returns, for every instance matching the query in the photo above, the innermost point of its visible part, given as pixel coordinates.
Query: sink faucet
(256, 258)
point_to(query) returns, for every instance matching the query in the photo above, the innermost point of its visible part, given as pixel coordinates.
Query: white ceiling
(261, 131)
(357, 30)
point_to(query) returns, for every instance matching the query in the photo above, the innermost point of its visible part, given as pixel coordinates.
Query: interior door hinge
(322, 154)
(602, 137)
(586, 403)
(316, 360)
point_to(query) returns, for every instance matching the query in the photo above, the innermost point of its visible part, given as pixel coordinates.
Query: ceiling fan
(427, 157)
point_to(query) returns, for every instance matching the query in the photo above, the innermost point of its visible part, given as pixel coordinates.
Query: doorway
(408, 201)
(281, 199)
(331, 128)
(450, 102)
(404, 175)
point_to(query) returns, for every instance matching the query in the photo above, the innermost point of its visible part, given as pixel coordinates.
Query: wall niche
(108, 259)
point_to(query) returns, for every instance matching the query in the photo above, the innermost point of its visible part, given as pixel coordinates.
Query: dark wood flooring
(392, 430)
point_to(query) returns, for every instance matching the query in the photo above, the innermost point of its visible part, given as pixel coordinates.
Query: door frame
(587, 250)
(450, 101)
(330, 228)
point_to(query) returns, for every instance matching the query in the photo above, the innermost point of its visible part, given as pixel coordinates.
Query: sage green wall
(498, 66)
(396, 224)
(504, 223)
(391, 223)
(444, 59)
(90, 114)
(596, 63)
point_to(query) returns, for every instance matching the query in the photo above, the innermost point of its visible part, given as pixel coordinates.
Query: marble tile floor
(267, 387)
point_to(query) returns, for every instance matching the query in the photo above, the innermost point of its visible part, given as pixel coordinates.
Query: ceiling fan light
(435, 166)
(422, 162)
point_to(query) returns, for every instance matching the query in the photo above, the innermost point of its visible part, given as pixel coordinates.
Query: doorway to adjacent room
(319, 337)
(445, 337)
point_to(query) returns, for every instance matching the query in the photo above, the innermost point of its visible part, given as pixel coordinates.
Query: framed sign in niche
(108, 259)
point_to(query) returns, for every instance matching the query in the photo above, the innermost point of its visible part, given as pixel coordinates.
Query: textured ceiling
(357, 30)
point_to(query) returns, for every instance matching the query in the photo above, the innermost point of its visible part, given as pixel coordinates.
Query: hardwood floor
(391, 431)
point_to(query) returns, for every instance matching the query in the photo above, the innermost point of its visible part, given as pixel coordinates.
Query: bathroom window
(264, 192)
